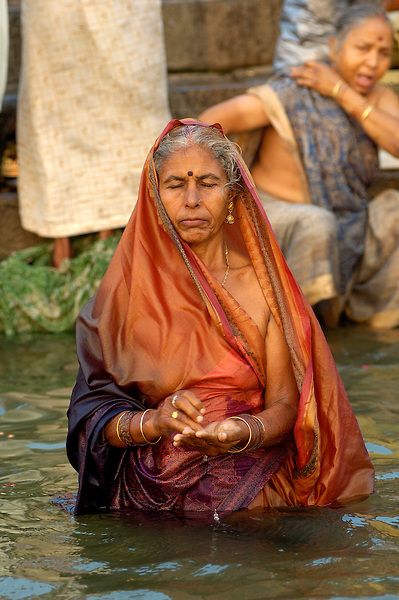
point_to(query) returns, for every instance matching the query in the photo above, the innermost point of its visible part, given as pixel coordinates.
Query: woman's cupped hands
(181, 416)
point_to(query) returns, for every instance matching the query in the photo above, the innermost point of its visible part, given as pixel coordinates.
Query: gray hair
(357, 14)
(222, 149)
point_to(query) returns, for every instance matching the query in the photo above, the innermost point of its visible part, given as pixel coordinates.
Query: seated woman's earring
(230, 217)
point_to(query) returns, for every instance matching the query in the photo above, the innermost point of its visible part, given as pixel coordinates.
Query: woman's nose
(372, 59)
(192, 198)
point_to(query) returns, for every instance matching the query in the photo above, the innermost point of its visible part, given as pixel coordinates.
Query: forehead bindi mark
(190, 173)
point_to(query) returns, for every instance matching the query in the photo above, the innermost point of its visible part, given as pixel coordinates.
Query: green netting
(34, 296)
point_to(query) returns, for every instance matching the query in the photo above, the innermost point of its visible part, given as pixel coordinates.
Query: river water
(312, 554)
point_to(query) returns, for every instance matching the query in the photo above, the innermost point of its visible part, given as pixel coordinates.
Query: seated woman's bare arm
(241, 113)
(377, 113)
(382, 124)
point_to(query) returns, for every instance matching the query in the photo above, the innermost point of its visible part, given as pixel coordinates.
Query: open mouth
(365, 82)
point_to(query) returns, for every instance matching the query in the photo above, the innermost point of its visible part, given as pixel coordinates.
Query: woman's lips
(189, 223)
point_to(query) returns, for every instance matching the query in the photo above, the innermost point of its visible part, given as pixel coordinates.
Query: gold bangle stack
(257, 433)
(234, 449)
(142, 431)
(369, 108)
(260, 422)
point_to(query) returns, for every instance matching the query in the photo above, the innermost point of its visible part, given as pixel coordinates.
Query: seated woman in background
(205, 381)
(317, 156)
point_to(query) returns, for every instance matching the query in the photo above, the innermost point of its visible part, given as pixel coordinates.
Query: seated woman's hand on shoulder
(316, 76)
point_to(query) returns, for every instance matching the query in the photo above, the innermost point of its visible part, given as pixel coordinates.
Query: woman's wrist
(354, 104)
(252, 433)
(132, 428)
(148, 429)
(338, 89)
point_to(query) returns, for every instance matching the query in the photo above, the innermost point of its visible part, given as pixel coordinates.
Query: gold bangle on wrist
(337, 88)
(123, 428)
(142, 432)
(369, 108)
(117, 426)
(260, 422)
(234, 449)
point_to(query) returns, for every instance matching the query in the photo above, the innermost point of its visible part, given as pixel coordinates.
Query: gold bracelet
(117, 427)
(123, 428)
(233, 449)
(142, 432)
(260, 421)
(366, 112)
(337, 88)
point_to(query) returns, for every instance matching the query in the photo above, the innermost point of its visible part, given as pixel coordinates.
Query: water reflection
(315, 553)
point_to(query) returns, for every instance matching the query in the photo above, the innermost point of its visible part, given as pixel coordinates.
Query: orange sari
(159, 323)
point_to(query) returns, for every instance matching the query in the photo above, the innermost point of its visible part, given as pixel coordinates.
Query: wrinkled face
(192, 189)
(364, 55)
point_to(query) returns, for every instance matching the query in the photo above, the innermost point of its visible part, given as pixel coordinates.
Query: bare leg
(61, 251)
(104, 235)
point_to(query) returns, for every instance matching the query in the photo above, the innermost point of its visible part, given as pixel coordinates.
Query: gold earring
(230, 217)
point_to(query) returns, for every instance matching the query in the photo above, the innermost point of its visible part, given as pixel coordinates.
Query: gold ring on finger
(174, 398)
(175, 414)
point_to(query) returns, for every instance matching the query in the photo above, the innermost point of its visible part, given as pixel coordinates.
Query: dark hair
(222, 149)
(354, 15)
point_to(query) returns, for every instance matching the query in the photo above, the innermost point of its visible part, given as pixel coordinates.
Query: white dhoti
(92, 99)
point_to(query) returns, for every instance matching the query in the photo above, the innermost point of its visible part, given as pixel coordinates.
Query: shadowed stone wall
(217, 48)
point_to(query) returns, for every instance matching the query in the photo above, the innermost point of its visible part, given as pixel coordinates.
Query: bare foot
(61, 251)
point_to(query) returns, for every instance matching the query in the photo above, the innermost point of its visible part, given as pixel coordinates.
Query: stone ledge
(191, 93)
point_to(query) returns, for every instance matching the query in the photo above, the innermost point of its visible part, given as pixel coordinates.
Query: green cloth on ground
(36, 297)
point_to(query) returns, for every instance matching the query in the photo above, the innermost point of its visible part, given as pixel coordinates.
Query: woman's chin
(194, 237)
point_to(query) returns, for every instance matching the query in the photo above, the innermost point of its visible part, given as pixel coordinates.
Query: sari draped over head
(160, 322)
(339, 161)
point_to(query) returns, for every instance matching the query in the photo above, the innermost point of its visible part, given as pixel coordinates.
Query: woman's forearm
(278, 420)
(278, 423)
(140, 428)
(379, 125)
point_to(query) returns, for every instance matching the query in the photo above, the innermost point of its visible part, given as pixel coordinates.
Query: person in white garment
(92, 97)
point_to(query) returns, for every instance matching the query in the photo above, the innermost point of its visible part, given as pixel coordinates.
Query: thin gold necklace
(226, 258)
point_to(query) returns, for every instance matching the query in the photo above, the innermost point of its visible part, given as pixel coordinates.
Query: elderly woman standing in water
(205, 382)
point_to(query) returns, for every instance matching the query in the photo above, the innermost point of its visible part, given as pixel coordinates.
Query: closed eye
(174, 186)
